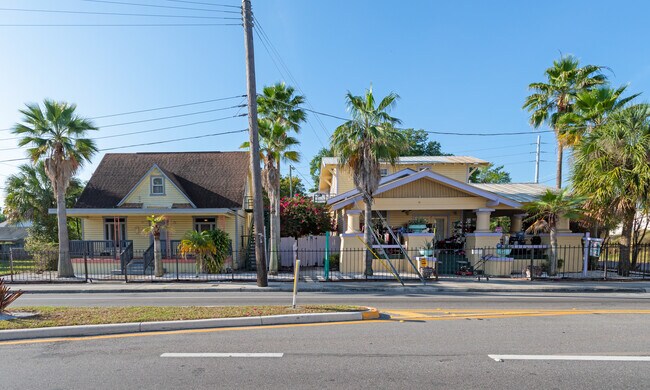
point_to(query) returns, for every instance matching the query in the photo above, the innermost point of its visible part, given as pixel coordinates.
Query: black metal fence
(388, 263)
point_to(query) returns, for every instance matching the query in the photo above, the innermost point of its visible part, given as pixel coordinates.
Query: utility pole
(537, 153)
(290, 182)
(251, 90)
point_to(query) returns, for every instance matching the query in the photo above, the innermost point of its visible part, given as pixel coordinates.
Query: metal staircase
(401, 248)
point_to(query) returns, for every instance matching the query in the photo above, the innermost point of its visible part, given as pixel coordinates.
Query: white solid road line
(500, 358)
(223, 355)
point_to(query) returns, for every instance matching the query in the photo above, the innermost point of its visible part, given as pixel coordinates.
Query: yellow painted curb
(371, 314)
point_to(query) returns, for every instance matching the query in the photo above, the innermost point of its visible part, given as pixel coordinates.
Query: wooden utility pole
(251, 90)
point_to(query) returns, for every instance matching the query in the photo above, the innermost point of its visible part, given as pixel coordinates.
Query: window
(383, 172)
(114, 227)
(157, 185)
(205, 223)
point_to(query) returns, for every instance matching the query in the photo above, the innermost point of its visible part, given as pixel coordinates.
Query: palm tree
(364, 141)
(280, 112)
(155, 226)
(591, 109)
(199, 244)
(552, 99)
(56, 136)
(275, 146)
(30, 196)
(546, 211)
(612, 168)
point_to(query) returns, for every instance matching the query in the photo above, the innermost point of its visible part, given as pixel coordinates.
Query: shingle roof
(209, 179)
(12, 233)
(519, 192)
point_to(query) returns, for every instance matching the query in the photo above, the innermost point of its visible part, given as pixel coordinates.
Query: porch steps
(135, 267)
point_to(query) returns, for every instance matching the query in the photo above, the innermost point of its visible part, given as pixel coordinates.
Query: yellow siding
(93, 228)
(142, 194)
(466, 203)
(423, 188)
(344, 182)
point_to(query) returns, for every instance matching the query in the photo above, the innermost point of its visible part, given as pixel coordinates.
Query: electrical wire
(157, 6)
(49, 11)
(200, 3)
(125, 25)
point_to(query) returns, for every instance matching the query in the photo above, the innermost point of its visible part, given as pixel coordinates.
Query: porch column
(483, 219)
(563, 225)
(353, 221)
(516, 222)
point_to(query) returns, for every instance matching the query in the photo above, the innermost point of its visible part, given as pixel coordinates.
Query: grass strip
(48, 316)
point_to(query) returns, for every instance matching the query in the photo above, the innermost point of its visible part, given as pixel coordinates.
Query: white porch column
(516, 222)
(353, 221)
(563, 225)
(483, 220)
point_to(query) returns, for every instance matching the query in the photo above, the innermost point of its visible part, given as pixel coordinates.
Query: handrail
(404, 252)
(148, 258)
(126, 256)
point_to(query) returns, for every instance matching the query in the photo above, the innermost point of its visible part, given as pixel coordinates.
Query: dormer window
(383, 172)
(157, 185)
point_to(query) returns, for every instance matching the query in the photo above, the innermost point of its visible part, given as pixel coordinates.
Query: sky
(461, 66)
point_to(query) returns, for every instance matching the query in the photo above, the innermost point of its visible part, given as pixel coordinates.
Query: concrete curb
(158, 326)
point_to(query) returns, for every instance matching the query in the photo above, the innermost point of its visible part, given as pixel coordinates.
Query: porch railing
(97, 248)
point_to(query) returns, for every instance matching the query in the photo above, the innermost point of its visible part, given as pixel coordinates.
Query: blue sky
(460, 66)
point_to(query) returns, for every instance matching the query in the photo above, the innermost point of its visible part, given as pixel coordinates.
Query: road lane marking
(221, 355)
(500, 358)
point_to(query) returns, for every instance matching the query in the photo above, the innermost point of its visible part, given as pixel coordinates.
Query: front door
(114, 230)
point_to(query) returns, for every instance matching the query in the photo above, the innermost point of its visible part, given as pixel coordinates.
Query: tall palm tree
(612, 168)
(155, 227)
(546, 211)
(552, 99)
(280, 112)
(591, 109)
(364, 141)
(275, 146)
(30, 196)
(199, 244)
(55, 134)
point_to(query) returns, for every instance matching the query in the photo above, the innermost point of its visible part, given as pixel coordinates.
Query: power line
(157, 109)
(210, 4)
(117, 13)
(172, 116)
(491, 134)
(157, 6)
(125, 25)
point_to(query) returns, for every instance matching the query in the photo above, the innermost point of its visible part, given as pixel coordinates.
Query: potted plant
(428, 248)
(417, 225)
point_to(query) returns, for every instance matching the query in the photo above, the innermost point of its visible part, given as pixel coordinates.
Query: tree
(280, 112)
(554, 98)
(545, 213)
(275, 145)
(29, 198)
(301, 216)
(490, 174)
(55, 135)
(199, 244)
(420, 145)
(156, 224)
(364, 141)
(314, 166)
(2, 216)
(612, 169)
(222, 248)
(591, 109)
(296, 186)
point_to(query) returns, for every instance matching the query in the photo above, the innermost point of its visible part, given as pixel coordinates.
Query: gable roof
(168, 175)
(407, 176)
(12, 233)
(208, 179)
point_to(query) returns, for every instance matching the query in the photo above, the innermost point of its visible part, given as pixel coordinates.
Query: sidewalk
(441, 286)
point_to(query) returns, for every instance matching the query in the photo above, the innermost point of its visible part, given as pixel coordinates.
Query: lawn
(18, 266)
(62, 316)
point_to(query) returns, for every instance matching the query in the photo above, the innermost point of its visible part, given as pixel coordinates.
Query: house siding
(423, 189)
(142, 193)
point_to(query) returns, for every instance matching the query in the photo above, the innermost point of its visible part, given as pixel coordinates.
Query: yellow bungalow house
(436, 189)
(194, 190)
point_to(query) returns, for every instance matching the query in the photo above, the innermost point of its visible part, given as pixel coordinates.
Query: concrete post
(516, 222)
(483, 220)
(353, 221)
(563, 225)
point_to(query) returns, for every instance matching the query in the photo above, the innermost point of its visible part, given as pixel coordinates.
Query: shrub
(223, 249)
(335, 261)
(7, 296)
(44, 253)
(301, 216)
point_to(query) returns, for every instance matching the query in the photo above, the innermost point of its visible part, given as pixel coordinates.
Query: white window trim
(151, 186)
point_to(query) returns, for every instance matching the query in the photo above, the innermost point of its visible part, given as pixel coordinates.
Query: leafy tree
(420, 145)
(156, 224)
(2, 216)
(199, 244)
(490, 174)
(364, 141)
(612, 169)
(302, 216)
(296, 186)
(29, 198)
(55, 135)
(555, 97)
(222, 249)
(280, 112)
(545, 213)
(314, 166)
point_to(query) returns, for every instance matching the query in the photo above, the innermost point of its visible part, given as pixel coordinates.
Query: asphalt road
(379, 300)
(420, 347)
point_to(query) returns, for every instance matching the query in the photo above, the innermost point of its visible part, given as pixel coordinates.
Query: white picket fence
(310, 250)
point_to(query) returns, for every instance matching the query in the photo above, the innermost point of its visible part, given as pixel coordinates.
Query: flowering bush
(301, 216)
